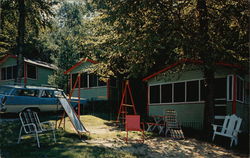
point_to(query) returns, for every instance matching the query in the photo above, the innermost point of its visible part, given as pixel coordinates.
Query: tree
(65, 39)
(137, 35)
(29, 16)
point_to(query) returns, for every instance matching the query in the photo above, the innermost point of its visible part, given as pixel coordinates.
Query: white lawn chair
(230, 128)
(31, 125)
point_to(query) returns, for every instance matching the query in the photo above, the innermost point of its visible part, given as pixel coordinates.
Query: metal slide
(72, 115)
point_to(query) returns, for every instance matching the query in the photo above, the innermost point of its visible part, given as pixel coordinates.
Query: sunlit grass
(68, 143)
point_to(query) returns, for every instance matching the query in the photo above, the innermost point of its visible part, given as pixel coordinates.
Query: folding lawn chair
(31, 125)
(133, 124)
(172, 125)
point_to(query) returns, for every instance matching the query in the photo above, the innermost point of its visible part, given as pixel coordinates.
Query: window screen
(31, 71)
(155, 94)
(179, 92)
(3, 74)
(166, 93)
(84, 80)
(193, 91)
(239, 89)
(220, 90)
(9, 73)
(92, 80)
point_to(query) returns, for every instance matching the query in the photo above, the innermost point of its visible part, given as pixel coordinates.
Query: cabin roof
(182, 61)
(34, 62)
(79, 63)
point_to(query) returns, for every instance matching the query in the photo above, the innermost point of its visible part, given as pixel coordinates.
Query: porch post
(234, 94)
(79, 93)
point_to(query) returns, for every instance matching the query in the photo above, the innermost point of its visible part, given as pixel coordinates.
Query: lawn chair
(133, 124)
(31, 125)
(230, 128)
(172, 125)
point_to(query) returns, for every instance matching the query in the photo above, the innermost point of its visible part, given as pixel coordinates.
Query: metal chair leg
(20, 133)
(37, 138)
(54, 135)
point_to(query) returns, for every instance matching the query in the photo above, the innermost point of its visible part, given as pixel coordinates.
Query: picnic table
(158, 122)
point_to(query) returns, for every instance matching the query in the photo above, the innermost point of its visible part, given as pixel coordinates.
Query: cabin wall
(96, 93)
(42, 74)
(191, 114)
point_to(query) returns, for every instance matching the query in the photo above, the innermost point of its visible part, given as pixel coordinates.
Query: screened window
(8, 73)
(3, 74)
(88, 80)
(155, 94)
(193, 91)
(230, 88)
(31, 71)
(220, 88)
(179, 92)
(240, 89)
(166, 93)
(92, 80)
(84, 80)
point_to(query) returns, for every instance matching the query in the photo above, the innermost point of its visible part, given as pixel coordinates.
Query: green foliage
(65, 38)
(38, 14)
(130, 38)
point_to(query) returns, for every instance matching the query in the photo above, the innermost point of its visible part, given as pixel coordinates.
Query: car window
(48, 94)
(27, 92)
(58, 94)
(5, 90)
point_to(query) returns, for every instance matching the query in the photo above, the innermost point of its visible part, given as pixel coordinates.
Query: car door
(48, 101)
(22, 99)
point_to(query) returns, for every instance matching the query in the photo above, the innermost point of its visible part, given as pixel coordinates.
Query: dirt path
(106, 134)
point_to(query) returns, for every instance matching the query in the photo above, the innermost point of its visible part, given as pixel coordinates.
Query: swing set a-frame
(125, 107)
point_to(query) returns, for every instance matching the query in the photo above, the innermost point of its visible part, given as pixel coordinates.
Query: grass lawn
(105, 140)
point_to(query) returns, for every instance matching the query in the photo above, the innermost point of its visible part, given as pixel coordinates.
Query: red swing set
(131, 121)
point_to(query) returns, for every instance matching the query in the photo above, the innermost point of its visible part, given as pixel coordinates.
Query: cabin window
(166, 93)
(240, 89)
(88, 80)
(3, 74)
(31, 71)
(179, 92)
(192, 91)
(92, 80)
(230, 88)
(84, 80)
(8, 73)
(220, 88)
(155, 94)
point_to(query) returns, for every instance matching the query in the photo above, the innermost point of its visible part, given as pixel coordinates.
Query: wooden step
(127, 105)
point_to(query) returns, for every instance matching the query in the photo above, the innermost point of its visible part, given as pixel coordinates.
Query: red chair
(133, 124)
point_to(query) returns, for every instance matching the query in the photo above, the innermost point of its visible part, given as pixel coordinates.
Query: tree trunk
(208, 67)
(209, 100)
(20, 41)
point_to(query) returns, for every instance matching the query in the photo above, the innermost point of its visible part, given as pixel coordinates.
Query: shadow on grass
(242, 147)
